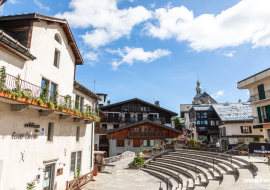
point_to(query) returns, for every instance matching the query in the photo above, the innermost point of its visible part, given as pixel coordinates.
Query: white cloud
(91, 58)
(247, 21)
(229, 53)
(152, 5)
(219, 93)
(42, 6)
(13, 1)
(129, 55)
(109, 22)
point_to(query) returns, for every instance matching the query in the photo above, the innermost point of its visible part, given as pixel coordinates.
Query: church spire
(198, 89)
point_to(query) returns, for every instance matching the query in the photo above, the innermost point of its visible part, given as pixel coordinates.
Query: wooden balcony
(100, 130)
(132, 119)
(147, 134)
(135, 109)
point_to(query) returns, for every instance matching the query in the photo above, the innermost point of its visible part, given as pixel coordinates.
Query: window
(53, 90)
(72, 163)
(205, 122)
(45, 82)
(198, 122)
(104, 125)
(120, 143)
(115, 126)
(217, 122)
(246, 129)
(56, 58)
(213, 122)
(50, 132)
(261, 92)
(81, 104)
(57, 38)
(136, 142)
(78, 134)
(198, 115)
(51, 86)
(79, 157)
(148, 142)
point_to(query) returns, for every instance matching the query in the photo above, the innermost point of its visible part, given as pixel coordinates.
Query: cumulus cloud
(42, 6)
(13, 1)
(91, 58)
(109, 22)
(218, 94)
(229, 53)
(130, 55)
(152, 5)
(247, 21)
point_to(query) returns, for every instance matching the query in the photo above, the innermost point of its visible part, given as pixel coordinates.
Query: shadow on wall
(13, 61)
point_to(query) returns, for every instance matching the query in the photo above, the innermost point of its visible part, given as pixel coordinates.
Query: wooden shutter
(261, 92)
(241, 129)
(136, 142)
(268, 111)
(120, 143)
(259, 114)
(250, 129)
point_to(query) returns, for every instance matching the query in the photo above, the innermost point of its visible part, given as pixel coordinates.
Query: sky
(157, 49)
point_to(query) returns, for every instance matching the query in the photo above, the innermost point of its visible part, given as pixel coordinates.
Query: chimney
(109, 101)
(157, 103)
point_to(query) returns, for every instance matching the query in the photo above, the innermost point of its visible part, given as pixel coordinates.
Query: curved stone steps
(201, 179)
(240, 184)
(217, 174)
(174, 174)
(212, 185)
(227, 181)
(199, 188)
(187, 165)
(172, 182)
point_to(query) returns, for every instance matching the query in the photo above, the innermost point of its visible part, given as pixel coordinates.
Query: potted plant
(156, 148)
(266, 140)
(178, 140)
(189, 141)
(256, 139)
(31, 185)
(199, 142)
(146, 151)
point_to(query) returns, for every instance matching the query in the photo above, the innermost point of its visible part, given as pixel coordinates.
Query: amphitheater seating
(223, 173)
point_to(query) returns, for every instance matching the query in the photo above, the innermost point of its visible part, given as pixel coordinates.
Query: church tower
(202, 98)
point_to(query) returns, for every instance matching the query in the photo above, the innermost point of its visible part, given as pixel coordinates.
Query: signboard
(202, 129)
(259, 148)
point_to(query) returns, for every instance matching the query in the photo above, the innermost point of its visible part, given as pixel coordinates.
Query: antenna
(154, 99)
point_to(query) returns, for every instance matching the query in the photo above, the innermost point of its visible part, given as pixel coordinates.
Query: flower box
(35, 103)
(178, 141)
(198, 143)
(189, 143)
(157, 149)
(147, 152)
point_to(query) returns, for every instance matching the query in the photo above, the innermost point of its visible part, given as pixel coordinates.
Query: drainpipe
(91, 152)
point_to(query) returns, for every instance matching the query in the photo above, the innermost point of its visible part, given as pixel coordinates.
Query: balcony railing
(34, 92)
(256, 97)
(135, 109)
(132, 119)
(264, 119)
(146, 134)
(100, 130)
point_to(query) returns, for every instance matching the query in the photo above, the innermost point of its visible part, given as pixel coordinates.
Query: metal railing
(146, 134)
(135, 109)
(132, 119)
(256, 97)
(195, 167)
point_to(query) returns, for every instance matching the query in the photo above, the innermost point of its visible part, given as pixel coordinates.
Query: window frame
(78, 133)
(50, 132)
(148, 143)
(58, 37)
(57, 59)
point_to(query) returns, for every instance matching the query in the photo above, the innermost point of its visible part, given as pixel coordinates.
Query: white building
(236, 122)
(38, 142)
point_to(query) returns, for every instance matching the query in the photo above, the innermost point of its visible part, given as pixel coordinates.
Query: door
(127, 117)
(140, 117)
(48, 178)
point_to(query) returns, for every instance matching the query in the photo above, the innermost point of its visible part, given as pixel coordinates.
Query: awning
(257, 126)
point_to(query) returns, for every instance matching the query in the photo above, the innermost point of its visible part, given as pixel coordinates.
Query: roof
(137, 99)
(234, 111)
(254, 75)
(141, 122)
(12, 45)
(63, 23)
(205, 94)
(2, 2)
(185, 107)
(102, 114)
(203, 108)
(82, 88)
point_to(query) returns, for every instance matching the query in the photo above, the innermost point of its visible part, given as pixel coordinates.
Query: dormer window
(57, 38)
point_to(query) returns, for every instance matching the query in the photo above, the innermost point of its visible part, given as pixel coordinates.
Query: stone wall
(119, 157)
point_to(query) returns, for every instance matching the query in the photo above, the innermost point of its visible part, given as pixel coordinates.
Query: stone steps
(227, 181)
(212, 185)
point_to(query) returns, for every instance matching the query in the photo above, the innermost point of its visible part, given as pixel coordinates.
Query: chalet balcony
(257, 97)
(146, 134)
(135, 109)
(100, 130)
(132, 119)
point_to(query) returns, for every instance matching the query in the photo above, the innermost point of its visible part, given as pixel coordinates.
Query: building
(202, 98)
(40, 141)
(236, 122)
(259, 90)
(134, 124)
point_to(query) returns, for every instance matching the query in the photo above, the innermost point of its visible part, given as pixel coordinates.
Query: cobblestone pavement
(120, 177)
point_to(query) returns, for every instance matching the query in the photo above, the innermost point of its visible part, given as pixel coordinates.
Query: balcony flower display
(146, 151)
(189, 141)
(156, 148)
(178, 140)
(199, 142)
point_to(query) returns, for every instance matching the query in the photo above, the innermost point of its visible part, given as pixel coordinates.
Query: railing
(256, 97)
(195, 167)
(132, 119)
(135, 109)
(146, 134)
(17, 85)
(100, 130)
(264, 119)
(79, 181)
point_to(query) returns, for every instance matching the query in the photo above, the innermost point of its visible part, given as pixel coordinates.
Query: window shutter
(259, 114)
(261, 92)
(268, 111)
(52, 131)
(250, 130)
(241, 129)
(224, 131)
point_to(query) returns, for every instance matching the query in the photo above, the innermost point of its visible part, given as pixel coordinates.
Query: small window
(53, 90)
(57, 38)
(120, 143)
(78, 134)
(148, 142)
(115, 126)
(79, 157)
(56, 58)
(104, 125)
(81, 104)
(72, 163)
(50, 132)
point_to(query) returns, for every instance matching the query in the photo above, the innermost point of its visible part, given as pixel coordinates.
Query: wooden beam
(46, 112)
(71, 43)
(19, 107)
(63, 24)
(64, 116)
(78, 60)
(50, 22)
(78, 119)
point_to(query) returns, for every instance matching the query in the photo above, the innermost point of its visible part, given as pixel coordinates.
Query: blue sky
(156, 49)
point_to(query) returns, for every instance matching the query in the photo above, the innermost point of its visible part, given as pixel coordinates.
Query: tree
(177, 124)
(239, 100)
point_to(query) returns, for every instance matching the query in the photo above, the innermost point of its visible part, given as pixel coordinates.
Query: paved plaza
(120, 177)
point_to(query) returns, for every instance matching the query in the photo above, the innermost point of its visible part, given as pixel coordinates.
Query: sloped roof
(141, 122)
(234, 111)
(12, 45)
(205, 94)
(137, 99)
(203, 108)
(82, 88)
(63, 23)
